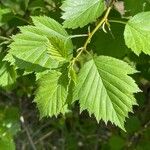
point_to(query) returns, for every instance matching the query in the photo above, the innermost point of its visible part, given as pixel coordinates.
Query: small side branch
(28, 134)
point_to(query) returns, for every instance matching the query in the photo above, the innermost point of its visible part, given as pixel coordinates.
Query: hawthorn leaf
(81, 12)
(137, 33)
(56, 34)
(105, 90)
(29, 52)
(52, 94)
(7, 73)
(43, 45)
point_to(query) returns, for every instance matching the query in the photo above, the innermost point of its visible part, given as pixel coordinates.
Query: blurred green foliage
(9, 126)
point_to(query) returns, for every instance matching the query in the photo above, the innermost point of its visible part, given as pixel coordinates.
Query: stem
(22, 19)
(27, 132)
(118, 21)
(4, 38)
(76, 58)
(104, 19)
(76, 36)
(43, 137)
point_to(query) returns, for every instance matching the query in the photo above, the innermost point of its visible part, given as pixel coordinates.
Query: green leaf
(42, 45)
(79, 13)
(137, 33)
(57, 36)
(105, 89)
(7, 73)
(52, 94)
(72, 74)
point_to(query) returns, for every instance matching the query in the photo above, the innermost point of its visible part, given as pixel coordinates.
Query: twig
(4, 38)
(43, 137)
(138, 133)
(7, 95)
(103, 20)
(22, 19)
(42, 127)
(28, 134)
(76, 36)
(117, 21)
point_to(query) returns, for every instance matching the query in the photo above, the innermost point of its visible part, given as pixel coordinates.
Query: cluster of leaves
(101, 83)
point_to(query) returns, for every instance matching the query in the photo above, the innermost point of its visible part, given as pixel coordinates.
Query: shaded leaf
(7, 74)
(52, 94)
